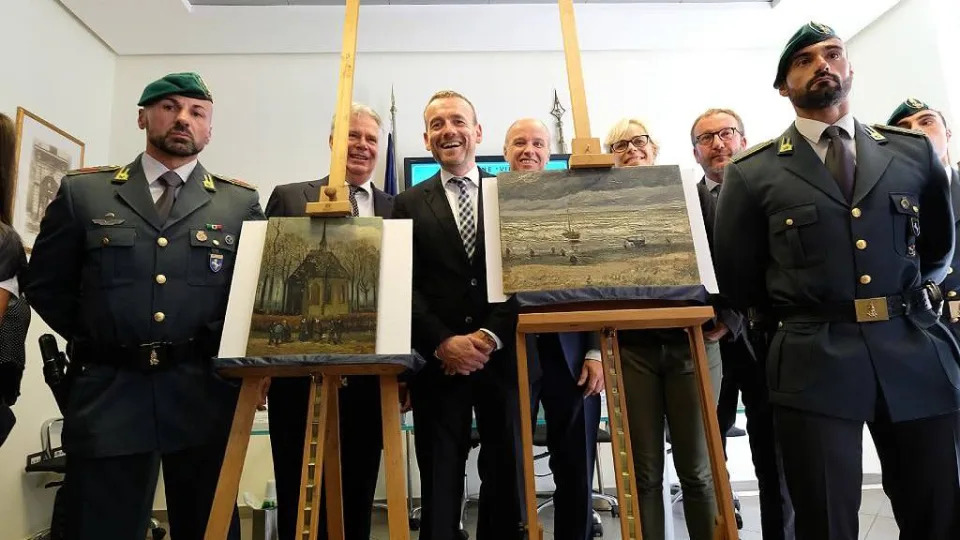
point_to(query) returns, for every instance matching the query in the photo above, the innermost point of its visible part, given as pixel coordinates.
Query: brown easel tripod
(608, 318)
(321, 453)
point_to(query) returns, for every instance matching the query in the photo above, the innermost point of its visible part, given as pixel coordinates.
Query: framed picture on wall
(44, 154)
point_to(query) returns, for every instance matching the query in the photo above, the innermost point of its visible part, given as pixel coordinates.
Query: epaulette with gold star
(234, 181)
(751, 151)
(898, 129)
(88, 170)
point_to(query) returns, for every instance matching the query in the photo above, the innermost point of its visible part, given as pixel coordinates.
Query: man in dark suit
(839, 232)
(467, 341)
(133, 267)
(917, 115)
(717, 135)
(566, 375)
(360, 429)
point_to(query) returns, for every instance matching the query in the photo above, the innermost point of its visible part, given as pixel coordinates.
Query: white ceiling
(164, 27)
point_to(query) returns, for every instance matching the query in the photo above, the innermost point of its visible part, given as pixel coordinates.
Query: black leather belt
(863, 310)
(146, 357)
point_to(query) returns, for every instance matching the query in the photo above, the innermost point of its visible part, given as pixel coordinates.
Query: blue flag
(390, 171)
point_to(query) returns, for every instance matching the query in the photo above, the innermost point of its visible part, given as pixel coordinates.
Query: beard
(166, 143)
(826, 95)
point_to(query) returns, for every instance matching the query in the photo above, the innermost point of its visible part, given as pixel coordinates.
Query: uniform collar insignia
(786, 146)
(874, 134)
(208, 183)
(122, 175)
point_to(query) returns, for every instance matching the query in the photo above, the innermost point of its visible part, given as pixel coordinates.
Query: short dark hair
(446, 94)
(711, 112)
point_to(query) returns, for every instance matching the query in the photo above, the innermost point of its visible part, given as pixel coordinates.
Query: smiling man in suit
(840, 232)
(360, 428)
(467, 341)
(566, 376)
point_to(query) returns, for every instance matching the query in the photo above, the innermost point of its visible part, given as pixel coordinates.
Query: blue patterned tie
(468, 225)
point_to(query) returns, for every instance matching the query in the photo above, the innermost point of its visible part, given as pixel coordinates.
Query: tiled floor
(876, 520)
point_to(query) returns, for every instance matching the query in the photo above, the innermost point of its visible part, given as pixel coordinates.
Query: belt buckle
(153, 354)
(871, 309)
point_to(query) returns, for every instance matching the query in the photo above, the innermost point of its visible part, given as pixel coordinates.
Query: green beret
(181, 84)
(909, 107)
(809, 34)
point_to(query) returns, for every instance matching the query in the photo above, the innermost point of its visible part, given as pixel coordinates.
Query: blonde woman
(660, 384)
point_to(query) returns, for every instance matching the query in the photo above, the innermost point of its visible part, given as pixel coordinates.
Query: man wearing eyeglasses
(717, 135)
(839, 232)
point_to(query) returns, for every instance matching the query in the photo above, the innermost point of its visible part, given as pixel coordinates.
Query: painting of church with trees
(317, 292)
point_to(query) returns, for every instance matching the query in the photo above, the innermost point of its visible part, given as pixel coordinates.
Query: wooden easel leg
(313, 446)
(533, 529)
(726, 522)
(331, 463)
(630, 524)
(218, 524)
(393, 457)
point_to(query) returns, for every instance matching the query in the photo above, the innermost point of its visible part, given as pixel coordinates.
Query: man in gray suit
(839, 232)
(133, 266)
(360, 428)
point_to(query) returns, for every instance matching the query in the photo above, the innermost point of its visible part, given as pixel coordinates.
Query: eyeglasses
(726, 134)
(638, 142)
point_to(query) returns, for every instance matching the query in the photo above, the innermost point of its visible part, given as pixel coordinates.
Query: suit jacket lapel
(872, 161)
(136, 194)
(191, 197)
(804, 163)
(380, 202)
(437, 201)
(311, 193)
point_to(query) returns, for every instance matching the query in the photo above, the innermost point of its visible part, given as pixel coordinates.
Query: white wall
(272, 112)
(55, 68)
(910, 51)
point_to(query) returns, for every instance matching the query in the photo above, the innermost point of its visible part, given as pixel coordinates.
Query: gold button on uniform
(161, 279)
(865, 279)
(162, 242)
(916, 210)
(159, 316)
(952, 294)
(861, 244)
(904, 203)
(856, 212)
(789, 222)
(950, 270)
(106, 240)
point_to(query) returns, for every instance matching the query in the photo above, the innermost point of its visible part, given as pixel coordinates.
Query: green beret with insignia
(809, 34)
(909, 107)
(181, 84)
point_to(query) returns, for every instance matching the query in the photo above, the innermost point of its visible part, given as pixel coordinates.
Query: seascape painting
(580, 228)
(318, 287)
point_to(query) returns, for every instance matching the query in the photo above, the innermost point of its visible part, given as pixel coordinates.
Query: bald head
(526, 146)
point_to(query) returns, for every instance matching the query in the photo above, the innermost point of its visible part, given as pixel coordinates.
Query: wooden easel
(321, 452)
(321, 447)
(608, 318)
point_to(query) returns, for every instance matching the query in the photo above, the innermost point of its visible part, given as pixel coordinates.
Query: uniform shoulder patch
(234, 181)
(88, 170)
(751, 151)
(898, 129)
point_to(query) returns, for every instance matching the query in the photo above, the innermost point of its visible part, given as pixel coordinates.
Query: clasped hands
(464, 354)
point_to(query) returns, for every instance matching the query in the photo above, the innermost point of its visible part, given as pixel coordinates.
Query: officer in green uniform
(915, 114)
(132, 267)
(838, 231)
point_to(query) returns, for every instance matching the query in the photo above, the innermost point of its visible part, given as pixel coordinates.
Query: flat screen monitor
(418, 169)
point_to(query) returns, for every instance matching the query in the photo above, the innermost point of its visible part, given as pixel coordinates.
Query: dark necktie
(715, 192)
(353, 200)
(171, 181)
(468, 225)
(839, 161)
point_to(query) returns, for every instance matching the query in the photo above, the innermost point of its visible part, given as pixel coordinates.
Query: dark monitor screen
(418, 169)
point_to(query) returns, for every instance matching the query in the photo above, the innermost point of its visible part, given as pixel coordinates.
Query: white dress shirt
(364, 198)
(12, 286)
(453, 192)
(153, 170)
(812, 131)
